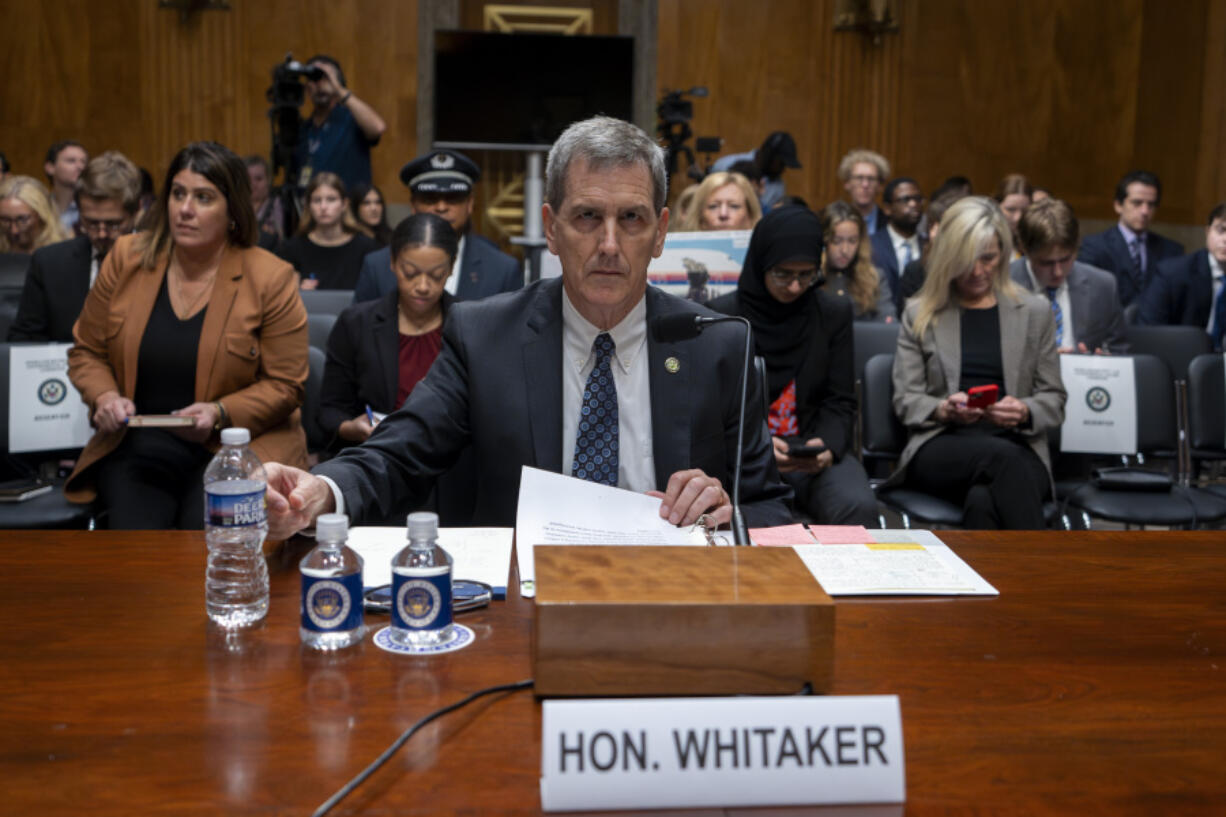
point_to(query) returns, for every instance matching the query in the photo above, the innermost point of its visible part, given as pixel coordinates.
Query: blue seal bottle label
(332, 603)
(421, 598)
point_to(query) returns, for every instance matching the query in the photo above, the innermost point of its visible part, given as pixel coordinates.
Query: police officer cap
(440, 171)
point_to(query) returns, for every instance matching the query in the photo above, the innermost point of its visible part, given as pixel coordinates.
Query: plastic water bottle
(235, 524)
(331, 588)
(421, 587)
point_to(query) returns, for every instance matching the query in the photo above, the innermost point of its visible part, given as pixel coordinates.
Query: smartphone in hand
(981, 397)
(805, 451)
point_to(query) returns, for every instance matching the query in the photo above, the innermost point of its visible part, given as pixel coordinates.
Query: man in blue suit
(1188, 290)
(898, 243)
(1129, 251)
(441, 182)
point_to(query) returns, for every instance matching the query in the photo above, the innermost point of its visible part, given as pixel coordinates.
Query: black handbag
(1128, 478)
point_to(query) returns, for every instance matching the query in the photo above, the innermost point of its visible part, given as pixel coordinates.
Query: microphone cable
(362, 776)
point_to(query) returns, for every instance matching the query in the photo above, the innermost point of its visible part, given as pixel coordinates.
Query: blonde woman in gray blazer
(970, 325)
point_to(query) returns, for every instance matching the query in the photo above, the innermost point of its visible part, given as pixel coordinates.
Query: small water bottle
(331, 588)
(421, 587)
(235, 524)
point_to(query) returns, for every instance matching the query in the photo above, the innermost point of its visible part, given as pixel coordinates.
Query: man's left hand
(692, 493)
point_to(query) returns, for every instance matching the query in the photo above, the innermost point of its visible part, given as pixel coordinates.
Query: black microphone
(684, 326)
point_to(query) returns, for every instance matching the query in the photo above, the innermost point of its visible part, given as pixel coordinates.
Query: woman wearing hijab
(805, 337)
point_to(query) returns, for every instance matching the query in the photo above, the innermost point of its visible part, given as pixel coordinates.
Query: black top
(981, 361)
(166, 366)
(334, 267)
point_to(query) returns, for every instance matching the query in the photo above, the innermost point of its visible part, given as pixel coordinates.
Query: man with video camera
(341, 130)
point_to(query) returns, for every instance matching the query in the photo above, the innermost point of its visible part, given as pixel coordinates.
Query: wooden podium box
(615, 621)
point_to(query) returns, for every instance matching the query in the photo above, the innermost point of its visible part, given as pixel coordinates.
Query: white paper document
(896, 563)
(478, 554)
(555, 509)
(1100, 416)
(45, 410)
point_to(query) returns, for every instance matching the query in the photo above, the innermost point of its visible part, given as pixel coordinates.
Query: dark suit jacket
(252, 355)
(498, 384)
(887, 262)
(484, 270)
(1108, 250)
(1180, 292)
(1098, 318)
(54, 292)
(825, 382)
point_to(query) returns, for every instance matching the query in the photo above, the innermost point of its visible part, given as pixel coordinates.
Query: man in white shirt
(564, 376)
(1188, 290)
(1084, 299)
(65, 163)
(898, 244)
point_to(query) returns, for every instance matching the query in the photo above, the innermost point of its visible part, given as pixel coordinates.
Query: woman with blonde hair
(723, 201)
(330, 244)
(977, 377)
(28, 216)
(847, 265)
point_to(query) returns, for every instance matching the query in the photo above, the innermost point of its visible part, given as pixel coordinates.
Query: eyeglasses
(786, 278)
(865, 179)
(18, 221)
(89, 225)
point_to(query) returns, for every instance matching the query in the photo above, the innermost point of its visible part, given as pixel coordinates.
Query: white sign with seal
(1100, 416)
(721, 752)
(45, 410)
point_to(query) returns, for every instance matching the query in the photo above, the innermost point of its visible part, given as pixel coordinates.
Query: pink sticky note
(840, 534)
(782, 535)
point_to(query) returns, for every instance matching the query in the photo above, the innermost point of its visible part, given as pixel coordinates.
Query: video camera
(675, 113)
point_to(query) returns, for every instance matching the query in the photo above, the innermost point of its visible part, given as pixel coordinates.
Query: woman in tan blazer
(971, 326)
(191, 319)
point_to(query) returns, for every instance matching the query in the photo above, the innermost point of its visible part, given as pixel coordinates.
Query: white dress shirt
(1068, 337)
(901, 243)
(453, 280)
(636, 467)
(1216, 274)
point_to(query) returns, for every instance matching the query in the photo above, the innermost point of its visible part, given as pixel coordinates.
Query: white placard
(477, 554)
(721, 752)
(1100, 416)
(45, 410)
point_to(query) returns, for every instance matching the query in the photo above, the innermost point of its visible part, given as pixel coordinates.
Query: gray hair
(604, 142)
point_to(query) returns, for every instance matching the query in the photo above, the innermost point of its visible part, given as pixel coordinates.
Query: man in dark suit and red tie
(563, 375)
(1189, 290)
(1129, 250)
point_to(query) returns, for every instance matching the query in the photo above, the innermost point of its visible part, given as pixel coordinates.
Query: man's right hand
(295, 499)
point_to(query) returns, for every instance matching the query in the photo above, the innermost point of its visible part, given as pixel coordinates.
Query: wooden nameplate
(645, 620)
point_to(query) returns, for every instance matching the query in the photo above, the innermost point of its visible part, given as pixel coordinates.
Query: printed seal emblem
(1098, 399)
(327, 604)
(442, 161)
(419, 602)
(52, 391)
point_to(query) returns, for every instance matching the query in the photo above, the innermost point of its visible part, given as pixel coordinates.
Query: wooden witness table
(1095, 683)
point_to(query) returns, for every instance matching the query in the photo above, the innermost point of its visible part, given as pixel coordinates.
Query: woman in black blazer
(805, 337)
(379, 350)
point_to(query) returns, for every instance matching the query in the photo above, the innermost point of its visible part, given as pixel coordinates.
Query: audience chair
(1156, 431)
(317, 438)
(319, 325)
(1207, 411)
(1176, 346)
(868, 340)
(13, 267)
(330, 301)
(51, 510)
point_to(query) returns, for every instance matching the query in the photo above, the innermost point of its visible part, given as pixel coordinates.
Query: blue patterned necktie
(1055, 308)
(596, 440)
(1134, 250)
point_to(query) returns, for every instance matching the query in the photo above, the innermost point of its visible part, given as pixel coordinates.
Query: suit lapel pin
(672, 365)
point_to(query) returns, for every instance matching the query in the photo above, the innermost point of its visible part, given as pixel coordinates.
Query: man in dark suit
(1188, 290)
(1129, 251)
(60, 275)
(517, 372)
(898, 244)
(441, 182)
(1086, 308)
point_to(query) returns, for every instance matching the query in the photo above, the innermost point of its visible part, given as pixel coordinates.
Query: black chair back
(331, 301)
(871, 339)
(884, 435)
(1176, 345)
(1207, 403)
(317, 438)
(1157, 425)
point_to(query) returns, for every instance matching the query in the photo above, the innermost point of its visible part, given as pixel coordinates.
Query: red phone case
(982, 396)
